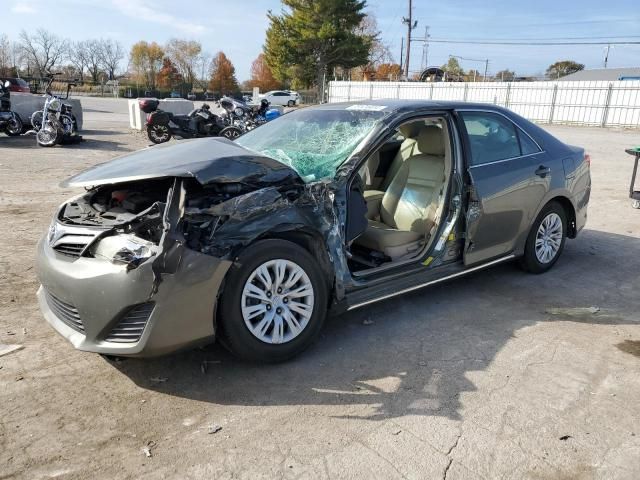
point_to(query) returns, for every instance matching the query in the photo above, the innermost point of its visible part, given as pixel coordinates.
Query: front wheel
(546, 239)
(291, 103)
(49, 134)
(274, 302)
(230, 132)
(14, 127)
(158, 133)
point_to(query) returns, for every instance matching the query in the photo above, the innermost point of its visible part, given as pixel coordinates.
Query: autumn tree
(310, 37)
(388, 71)
(563, 68)
(146, 60)
(222, 75)
(169, 76)
(261, 75)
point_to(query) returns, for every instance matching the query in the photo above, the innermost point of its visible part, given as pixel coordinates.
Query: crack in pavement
(453, 447)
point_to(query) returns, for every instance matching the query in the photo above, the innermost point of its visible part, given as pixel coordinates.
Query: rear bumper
(100, 294)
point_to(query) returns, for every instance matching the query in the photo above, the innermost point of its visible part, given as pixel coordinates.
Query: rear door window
(493, 137)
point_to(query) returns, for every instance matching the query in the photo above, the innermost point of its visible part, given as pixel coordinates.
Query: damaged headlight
(126, 249)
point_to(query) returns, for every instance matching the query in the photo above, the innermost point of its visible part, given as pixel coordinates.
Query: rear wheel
(546, 239)
(158, 133)
(230, 132)
(14, 127)
(274, 302)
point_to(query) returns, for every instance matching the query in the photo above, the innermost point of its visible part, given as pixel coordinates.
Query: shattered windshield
(314, 142)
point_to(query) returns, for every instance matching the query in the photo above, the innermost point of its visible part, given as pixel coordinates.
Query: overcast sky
(237, 27)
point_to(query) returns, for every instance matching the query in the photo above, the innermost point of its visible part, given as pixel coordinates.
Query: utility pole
(410, 26)
(606, 56)
(401, 52)
(425, 50)
(486, 68)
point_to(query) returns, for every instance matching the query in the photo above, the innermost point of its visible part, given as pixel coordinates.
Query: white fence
(601, 103)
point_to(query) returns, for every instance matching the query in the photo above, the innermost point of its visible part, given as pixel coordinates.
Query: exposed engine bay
(215, 219)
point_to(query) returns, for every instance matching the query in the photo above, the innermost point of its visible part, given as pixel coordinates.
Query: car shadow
(414, 354)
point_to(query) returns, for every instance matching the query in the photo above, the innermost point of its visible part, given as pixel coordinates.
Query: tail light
(587, 159)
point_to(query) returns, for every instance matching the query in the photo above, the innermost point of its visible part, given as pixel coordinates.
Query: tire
(14, 128)
(550, 239)
(230, 132)
(49, 135)
(635, 203)
(291, 103)
(158, 133)
(241, 313)
(36, 120)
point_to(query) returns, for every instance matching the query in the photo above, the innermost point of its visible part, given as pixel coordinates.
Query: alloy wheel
(159, 134)
(277, 301)
(549, 238)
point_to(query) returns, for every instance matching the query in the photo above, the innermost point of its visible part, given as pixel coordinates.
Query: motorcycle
(246, 117)
(200, 122)
(55, 123)
(10, 122)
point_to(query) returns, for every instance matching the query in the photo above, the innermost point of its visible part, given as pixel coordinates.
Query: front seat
(406, 212)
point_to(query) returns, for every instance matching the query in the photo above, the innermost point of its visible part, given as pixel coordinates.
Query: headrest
(431, 140)
(411, 130)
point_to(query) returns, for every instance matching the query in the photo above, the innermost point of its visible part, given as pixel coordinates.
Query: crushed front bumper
(101, 307)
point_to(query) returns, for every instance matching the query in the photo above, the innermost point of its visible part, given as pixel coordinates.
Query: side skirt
(392, 288)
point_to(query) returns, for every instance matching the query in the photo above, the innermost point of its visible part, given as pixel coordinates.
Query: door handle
(542, 171)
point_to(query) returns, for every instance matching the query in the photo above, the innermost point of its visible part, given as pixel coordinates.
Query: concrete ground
(498, 375)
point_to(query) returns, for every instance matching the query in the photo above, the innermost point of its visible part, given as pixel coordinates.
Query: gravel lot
(471, 379)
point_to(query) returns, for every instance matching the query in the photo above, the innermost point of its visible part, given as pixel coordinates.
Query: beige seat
(406, 211)
(408, 148)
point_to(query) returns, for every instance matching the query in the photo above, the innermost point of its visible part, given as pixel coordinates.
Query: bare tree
(111, 52)
(185, 55)
(5, 55)
(203, 62)
(43, 50)
(94, 59)
(77, 55)
(379, 53)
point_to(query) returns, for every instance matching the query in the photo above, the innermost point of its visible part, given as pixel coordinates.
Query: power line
(607, 39)
(533, 44)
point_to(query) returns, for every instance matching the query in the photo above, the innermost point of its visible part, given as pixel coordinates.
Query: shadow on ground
(416, 355)
(28, 141)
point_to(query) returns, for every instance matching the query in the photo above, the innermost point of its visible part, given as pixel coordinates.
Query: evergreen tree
(310, 37)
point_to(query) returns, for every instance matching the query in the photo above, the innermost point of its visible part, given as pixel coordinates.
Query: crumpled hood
(208, 160)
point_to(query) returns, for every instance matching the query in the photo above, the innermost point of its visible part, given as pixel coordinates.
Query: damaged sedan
(326, 209)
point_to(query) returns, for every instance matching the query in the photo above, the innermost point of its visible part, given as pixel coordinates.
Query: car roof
(404, 106)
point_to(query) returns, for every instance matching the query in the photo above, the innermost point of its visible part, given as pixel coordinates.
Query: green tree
(563, 68)
(310, 37)
(453, 69)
